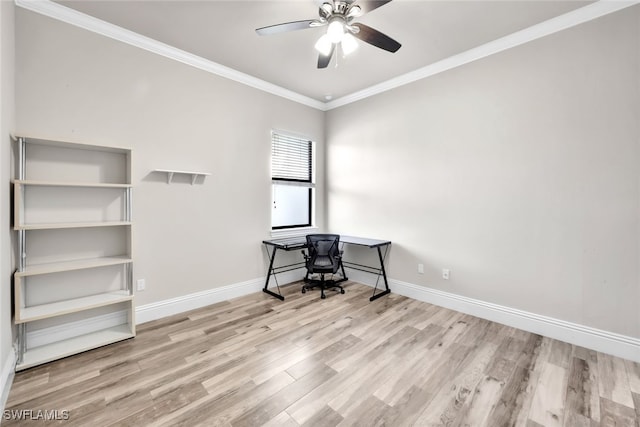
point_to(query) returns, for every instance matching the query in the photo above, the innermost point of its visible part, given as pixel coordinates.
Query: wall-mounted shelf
(194, 175)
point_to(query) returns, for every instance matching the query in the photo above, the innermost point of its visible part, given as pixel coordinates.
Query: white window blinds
(291, 161)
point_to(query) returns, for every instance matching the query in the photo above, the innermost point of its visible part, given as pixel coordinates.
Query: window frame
(310, 183)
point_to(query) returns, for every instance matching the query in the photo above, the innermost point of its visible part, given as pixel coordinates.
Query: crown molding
(553, 25)
(98, 26)
(545, 28)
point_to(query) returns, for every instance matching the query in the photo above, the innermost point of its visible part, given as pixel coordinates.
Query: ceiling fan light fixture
(336, 30)
(354, 11)
(349, 44)
(342, 32)
(324, 45)
(326, 9)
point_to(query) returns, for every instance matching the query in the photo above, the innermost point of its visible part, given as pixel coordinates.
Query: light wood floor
(340, 361)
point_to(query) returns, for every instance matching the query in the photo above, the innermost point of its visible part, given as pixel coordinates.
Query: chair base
(322, 284)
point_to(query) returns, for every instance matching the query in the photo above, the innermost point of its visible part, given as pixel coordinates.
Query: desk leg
(344, 275)
(384, 276)
(269, 273)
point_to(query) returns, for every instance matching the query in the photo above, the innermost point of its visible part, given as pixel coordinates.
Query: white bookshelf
(77, 283)
(80, 264)
(59, 349)
(54, 309)
(57, 225)
(70, 184)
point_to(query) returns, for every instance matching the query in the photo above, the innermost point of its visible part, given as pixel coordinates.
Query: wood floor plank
(326, 417)
(571, 419)
(633, 372)
(220, 408)
(281, 420)
(482, 331)
(417, 374)
(579, 389)
(369, 412)
(591, 358)
(74, 394)
(275, 405)
(344, 361)
(513, 400)
(166, 404)
(416, 358)
(560, 354)
(636, 402)
(613, 380)
(319, 359)
(380, 369)
(533, 358)
(548, 403)
(446, 408)
(615, 414)
(480, 402)
(514, 404)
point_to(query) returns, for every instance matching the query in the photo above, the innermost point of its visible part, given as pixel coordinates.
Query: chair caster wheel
(323, 296)
(342, 291)
(304, 291)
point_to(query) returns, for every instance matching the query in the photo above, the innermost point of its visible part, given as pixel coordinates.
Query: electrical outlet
(141, 285)
(421, 268)
(445, 273)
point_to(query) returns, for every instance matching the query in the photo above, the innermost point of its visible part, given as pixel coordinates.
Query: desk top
(299, 242)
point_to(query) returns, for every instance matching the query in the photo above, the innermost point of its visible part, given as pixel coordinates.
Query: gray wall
(6, 126)
(79, 86)
(518, 172)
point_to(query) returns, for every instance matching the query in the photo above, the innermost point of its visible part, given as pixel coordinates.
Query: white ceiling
(223, 32)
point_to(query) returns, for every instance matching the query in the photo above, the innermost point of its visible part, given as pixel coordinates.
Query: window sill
(293, 232)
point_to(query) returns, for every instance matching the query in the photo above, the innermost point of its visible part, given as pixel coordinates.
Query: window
(292, 181)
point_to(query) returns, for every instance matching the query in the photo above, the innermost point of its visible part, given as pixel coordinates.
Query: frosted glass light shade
(349, 44)
(335, 31)
(324, 45)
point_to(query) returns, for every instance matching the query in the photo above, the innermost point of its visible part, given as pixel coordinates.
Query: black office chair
(324, 258)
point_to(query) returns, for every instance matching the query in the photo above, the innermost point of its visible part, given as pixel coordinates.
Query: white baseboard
(573, 333)
(8, 372)
(158, 310)
(364, 278)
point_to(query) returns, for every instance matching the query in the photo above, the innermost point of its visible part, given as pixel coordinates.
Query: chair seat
(323, 264)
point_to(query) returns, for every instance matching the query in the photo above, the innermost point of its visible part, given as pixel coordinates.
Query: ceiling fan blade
(287, 26)
(369, 5)
(323, 60)
(376, 38)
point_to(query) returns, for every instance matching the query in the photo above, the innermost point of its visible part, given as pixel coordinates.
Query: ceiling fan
(338, 16)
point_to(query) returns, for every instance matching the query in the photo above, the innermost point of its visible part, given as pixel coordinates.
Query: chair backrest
(323, 252)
